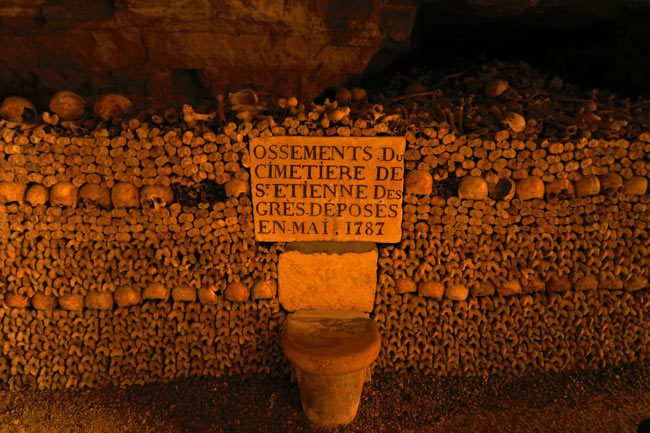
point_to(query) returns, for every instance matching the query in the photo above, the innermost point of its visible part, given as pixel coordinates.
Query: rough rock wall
(165, 49)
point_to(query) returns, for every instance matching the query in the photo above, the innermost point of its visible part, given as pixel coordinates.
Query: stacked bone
(515, 230)
(140, 344)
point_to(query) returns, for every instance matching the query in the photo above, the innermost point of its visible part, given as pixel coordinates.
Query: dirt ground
(610, 400)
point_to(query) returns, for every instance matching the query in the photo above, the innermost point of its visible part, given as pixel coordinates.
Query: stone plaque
(327, 188)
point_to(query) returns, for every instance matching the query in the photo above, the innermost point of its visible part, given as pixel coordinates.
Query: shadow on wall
(592, 47)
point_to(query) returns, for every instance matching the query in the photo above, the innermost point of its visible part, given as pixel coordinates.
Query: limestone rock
(12, 192)
(15, 300)
(328, 275)
(124, 194)
(264, 289)
(456, 292)
(636, 185)
(126, 296)
(99, 300)
(405, 285)
(587, 185)
(64, 194)
(431, 289)
(418, 182)
(184, 293)
(472, 188)
(44, 302)
(155, 291)
(530, 188)
(37, 195)
(72, 302)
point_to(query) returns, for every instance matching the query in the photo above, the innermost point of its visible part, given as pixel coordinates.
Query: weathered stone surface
(330, 351)
(418, 182)
(327, 188)
(432, 289)
(297, 48)
(343, 276)
(99, 300)
(126, 296)
(473, 188)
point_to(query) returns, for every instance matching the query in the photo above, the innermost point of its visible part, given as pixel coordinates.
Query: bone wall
(524, 243)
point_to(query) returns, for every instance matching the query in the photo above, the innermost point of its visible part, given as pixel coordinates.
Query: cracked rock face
(169, 48)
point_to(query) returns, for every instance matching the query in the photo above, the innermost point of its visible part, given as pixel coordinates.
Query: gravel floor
(610, 400)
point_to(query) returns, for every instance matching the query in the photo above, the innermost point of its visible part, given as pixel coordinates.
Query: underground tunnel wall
(493, 275)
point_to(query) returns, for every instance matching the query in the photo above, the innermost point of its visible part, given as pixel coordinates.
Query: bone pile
(128, 253)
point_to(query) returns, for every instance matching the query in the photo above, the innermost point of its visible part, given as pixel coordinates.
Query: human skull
(16, 109)
(68, 105)
(64, 194)
(559, 188)
(92, 194)
(12, 192)
(37, 195)
(111, 105)
(124, 194)
(156, 196)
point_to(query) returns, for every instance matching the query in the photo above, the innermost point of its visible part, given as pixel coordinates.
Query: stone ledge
(328, 275)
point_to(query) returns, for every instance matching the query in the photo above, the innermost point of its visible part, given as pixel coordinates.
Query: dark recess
(604, 53)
